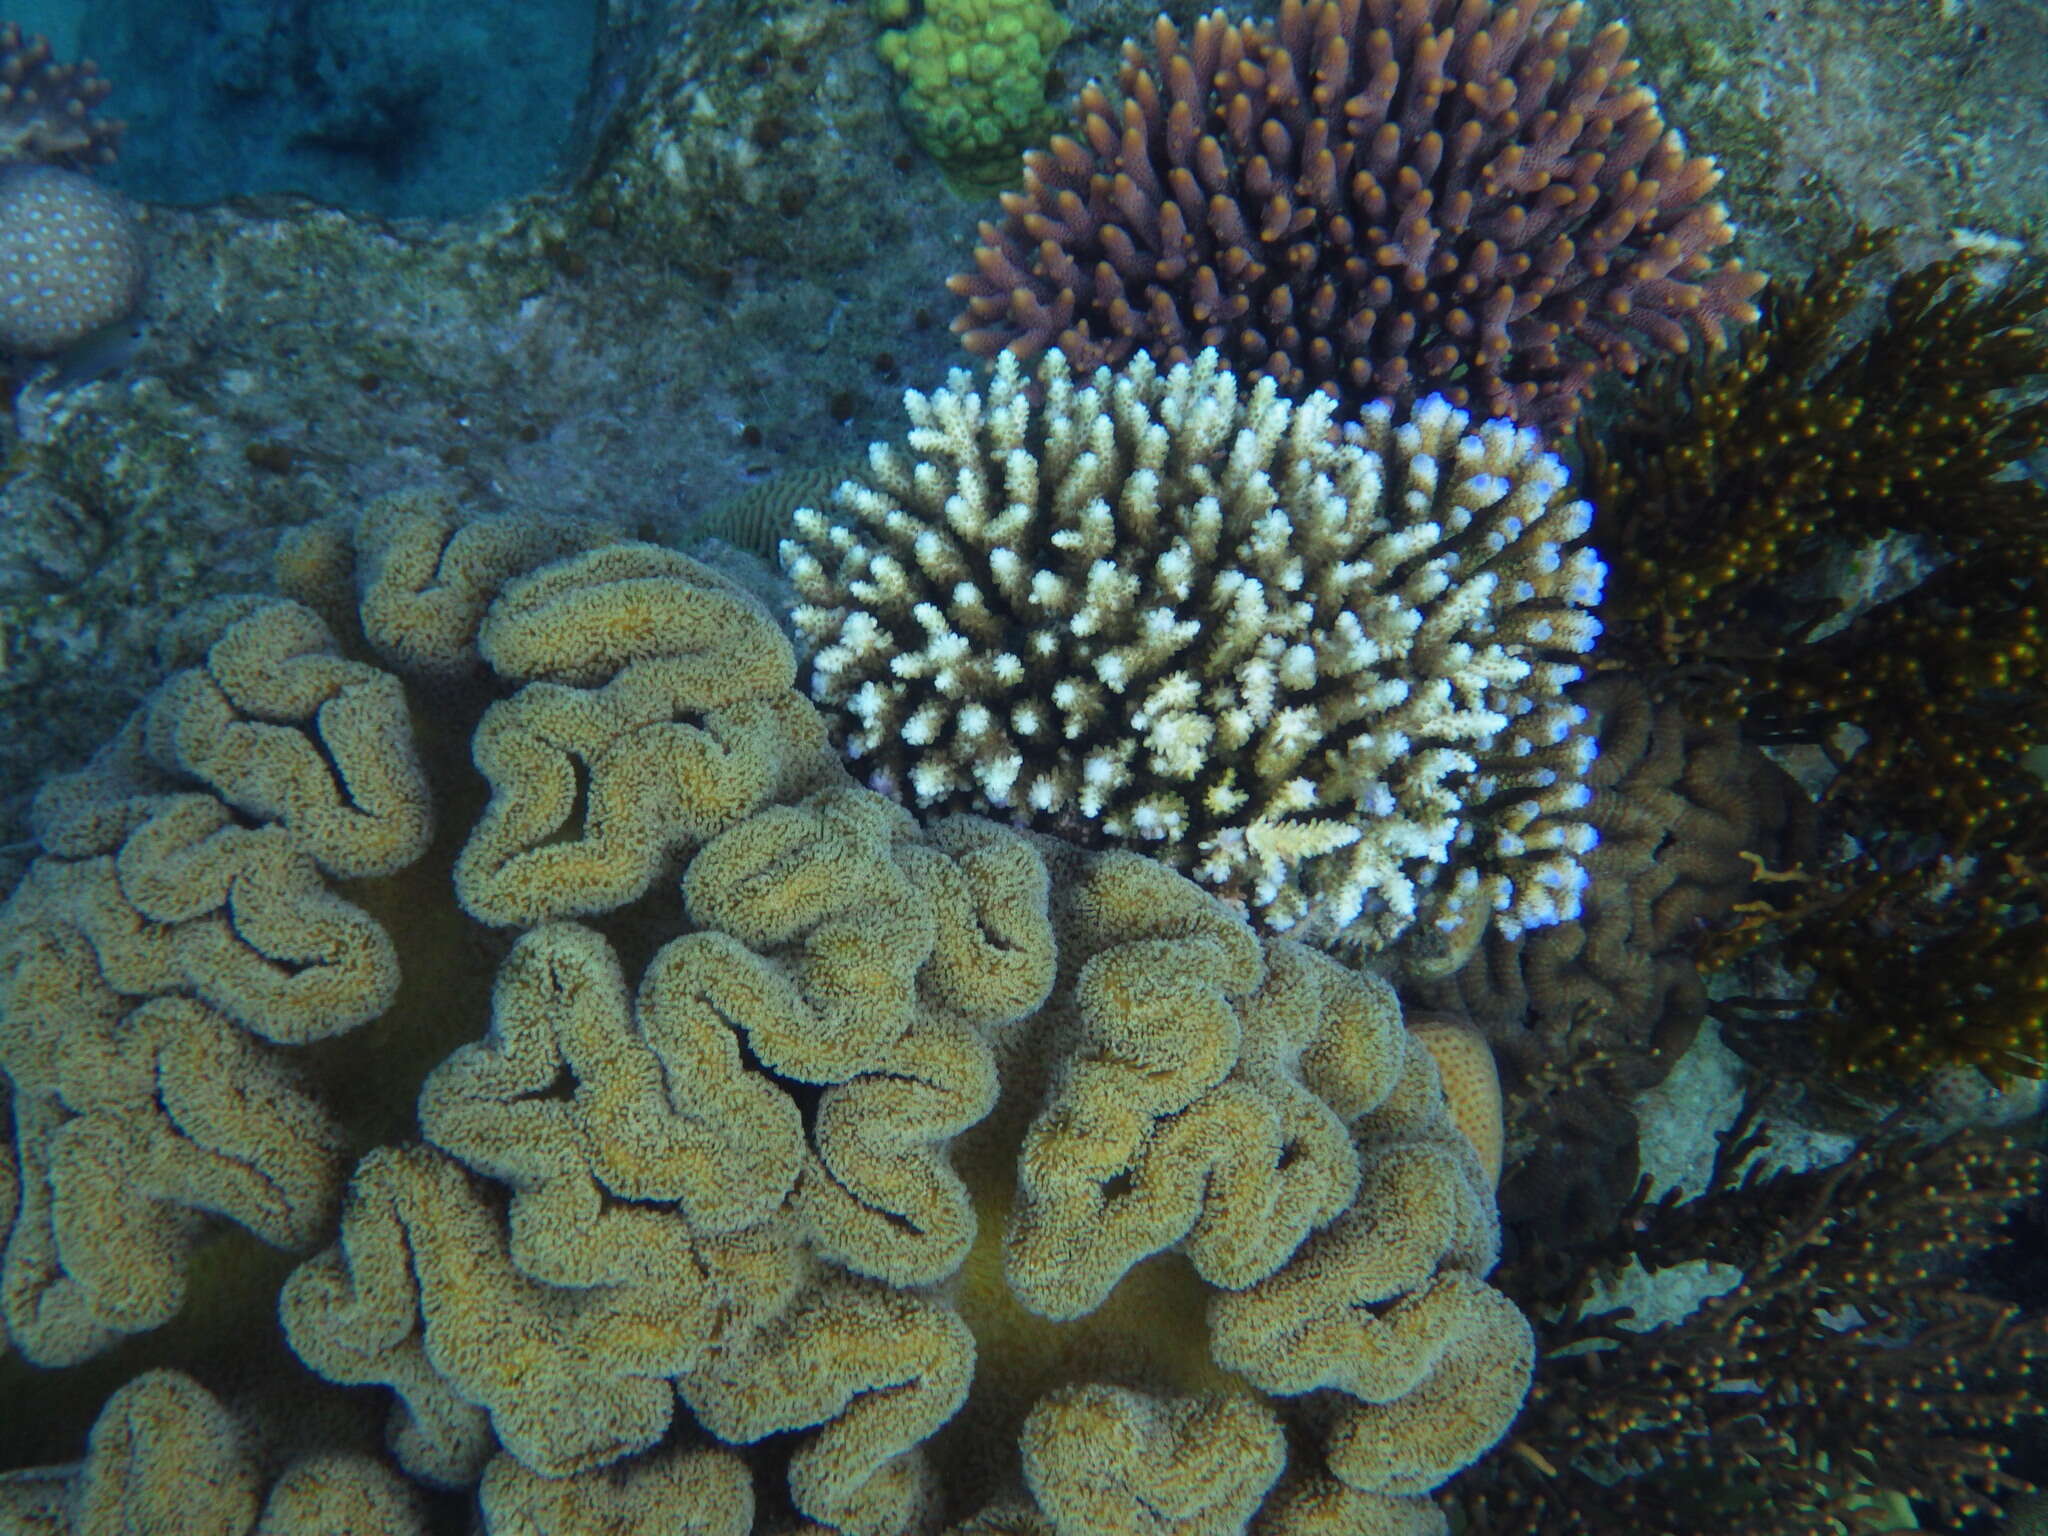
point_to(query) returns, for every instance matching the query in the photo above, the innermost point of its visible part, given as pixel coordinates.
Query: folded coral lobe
(814, 1156)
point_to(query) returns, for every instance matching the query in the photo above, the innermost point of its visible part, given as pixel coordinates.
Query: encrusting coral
(1383, 198)
(1687, 814)
(1315, 666)
(798, 1126)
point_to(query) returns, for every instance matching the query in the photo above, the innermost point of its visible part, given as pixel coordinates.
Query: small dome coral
(1314, 665)
(71, 257)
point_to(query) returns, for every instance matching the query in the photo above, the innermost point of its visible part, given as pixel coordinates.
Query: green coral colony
(1005, 1053)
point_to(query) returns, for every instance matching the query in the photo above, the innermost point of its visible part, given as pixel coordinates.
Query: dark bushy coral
(1726, 502)
(1715, 493)
(1855, 1360)
(1376, 197)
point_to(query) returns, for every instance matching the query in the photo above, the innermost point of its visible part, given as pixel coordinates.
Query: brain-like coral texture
(805, 1160)
(1376, 197)
(165, 1455)
(1315, 665)
(181, 925)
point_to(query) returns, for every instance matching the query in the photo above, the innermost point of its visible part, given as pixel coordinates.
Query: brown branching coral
(1377, 197)
(863, 1149)
(1713, 496)
(1852, 1360)
(46, 108)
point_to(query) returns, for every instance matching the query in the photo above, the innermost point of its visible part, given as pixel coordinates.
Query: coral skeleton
(1315, 665)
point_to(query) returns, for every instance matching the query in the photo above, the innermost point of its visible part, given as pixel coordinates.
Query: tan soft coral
(165, 1455)
(747, 1145)
(183, 913)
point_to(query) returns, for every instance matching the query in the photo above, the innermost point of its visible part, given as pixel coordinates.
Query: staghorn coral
(1382, 198)
(1857, 1363)
(786, 1165)
(1316, 668)
(46, 108)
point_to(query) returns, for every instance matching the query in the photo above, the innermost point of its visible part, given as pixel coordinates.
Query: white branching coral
(1315, 665)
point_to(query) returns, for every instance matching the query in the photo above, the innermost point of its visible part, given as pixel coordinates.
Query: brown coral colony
(1375, 197)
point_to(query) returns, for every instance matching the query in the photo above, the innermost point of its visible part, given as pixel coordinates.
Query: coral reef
(1854, 1363)
(760, 1047)
(574, 328)
(1317, 667)
(974, 80)
(1686, 814)
(1724, 476)
(165, 1455)
(70, 259)
(1382, 199)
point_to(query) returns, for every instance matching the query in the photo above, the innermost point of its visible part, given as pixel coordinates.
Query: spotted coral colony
(71, 259)
(1316, 666)
(1376, 197)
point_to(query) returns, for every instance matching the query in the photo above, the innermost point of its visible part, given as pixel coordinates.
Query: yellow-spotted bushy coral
(715, 1135)
(974, 80)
